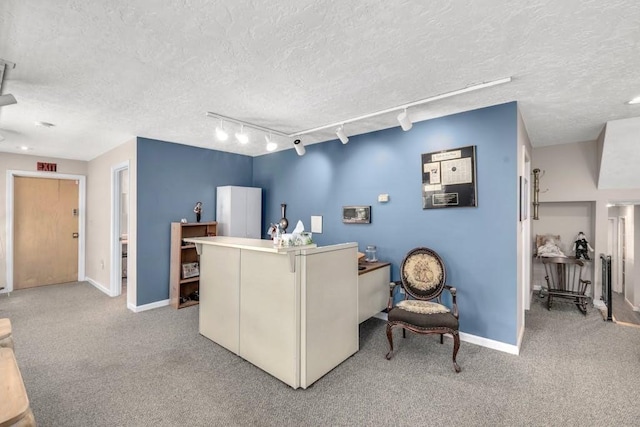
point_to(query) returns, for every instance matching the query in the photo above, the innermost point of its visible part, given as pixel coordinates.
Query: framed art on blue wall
(356, 214)
(449, 178)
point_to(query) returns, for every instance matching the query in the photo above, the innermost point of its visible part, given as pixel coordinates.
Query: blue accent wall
(171, 178)
(478, 245)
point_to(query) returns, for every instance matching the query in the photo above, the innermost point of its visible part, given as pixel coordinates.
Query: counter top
(370, 266)
(261, 245)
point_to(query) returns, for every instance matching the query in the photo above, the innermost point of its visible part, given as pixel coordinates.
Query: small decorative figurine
(581, 247)
(198, 210)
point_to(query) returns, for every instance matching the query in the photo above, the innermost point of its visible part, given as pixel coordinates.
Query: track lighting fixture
(343, 137)
(221, 134)
(297, 144)
(271, 146)
(405, 121)
(242, 137)
(403, 118)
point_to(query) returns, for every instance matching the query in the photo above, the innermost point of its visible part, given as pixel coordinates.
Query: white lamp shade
(405, 121)
(221, 134)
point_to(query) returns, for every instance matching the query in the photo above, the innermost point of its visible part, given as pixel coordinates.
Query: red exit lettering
(47, 167)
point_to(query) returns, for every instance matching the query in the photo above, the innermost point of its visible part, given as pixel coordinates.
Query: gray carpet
(622, 311)
(88, 361)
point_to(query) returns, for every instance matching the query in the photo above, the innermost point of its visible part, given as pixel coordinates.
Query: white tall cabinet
(239, 211)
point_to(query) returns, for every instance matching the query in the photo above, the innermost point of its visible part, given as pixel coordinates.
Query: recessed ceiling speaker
(7, 99)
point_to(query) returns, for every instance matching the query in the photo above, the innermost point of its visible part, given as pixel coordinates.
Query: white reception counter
(293, 312)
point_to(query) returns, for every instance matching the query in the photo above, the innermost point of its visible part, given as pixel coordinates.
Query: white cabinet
(373, 289)
(239, 211)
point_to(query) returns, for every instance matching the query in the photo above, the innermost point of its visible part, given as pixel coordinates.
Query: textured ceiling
(106, 71)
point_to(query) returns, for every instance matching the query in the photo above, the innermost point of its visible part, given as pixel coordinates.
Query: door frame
(82, 186)
(115, 283)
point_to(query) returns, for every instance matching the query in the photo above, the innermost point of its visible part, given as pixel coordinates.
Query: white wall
(21, 162)
(99, 217)
(524, 229)
(570, 175)
(565, 219)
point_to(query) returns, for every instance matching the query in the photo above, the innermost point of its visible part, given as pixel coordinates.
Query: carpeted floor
(88, 361)
(622, 311)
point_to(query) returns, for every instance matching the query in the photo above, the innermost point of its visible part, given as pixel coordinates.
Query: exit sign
(47, 167)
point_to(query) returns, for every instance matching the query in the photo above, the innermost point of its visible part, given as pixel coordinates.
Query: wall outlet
(383, 198)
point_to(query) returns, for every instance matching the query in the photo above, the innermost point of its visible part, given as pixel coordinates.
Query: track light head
(7, 99)
(405, 121)
(297, 144)
(343, 137)
(242, 137)
(271, 146)
(221, 134)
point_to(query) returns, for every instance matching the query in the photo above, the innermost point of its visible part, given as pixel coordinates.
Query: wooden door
(45, 218)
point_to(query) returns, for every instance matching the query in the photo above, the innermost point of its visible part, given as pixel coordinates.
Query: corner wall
(478, 244)
(99, 217)
(171, 178)
(571, 175)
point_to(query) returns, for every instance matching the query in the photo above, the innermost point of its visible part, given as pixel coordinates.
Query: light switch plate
(316, 224)
(383, 198)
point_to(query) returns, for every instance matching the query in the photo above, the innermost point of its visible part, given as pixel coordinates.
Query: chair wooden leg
(390, 338)
(549, 302)
(456, 347)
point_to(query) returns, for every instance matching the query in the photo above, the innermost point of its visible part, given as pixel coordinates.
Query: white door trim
(82, 181)
(115, 285)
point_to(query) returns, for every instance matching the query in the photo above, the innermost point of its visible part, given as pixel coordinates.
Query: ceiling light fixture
(343, 137)
(405, 121)
(402, 116)
(7, 99)
(221, 134)
(297, 144)
(242, 137)
(271, 146)
(635, 100)
(44, 124)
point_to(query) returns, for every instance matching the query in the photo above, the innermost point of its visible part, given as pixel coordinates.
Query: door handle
(75, 235)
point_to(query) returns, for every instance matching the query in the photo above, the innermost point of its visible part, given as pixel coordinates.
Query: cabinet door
(220, 296)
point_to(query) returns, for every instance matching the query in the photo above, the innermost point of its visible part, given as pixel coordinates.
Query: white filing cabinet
(239, 211)
(373, 289)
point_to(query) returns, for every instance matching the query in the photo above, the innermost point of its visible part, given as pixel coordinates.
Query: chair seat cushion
(428, 321)
(422, 307)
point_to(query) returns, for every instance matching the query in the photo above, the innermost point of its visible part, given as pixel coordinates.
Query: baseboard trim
(98, 286)
(145, 307)
(483, 342)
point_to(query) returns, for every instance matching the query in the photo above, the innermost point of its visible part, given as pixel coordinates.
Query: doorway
(119, 228)
(45, 228)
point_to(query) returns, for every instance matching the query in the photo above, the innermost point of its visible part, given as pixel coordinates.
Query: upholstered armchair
(423, 279)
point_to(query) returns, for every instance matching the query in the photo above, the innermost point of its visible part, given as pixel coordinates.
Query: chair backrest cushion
(423, 274)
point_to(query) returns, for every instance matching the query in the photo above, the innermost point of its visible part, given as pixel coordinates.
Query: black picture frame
(356, 214)
(449, 178)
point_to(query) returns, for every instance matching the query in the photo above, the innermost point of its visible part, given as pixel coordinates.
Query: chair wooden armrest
(14, 403)
(392, 287)
(454, 303)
